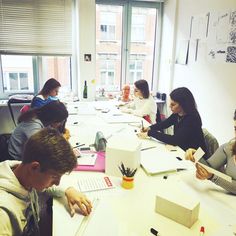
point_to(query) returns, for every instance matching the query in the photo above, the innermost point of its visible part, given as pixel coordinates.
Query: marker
(154, 232)
(202, 231)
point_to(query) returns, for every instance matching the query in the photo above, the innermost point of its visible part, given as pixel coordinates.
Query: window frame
(126, 36)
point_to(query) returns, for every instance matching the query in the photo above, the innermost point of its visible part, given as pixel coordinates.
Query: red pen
(202, 231)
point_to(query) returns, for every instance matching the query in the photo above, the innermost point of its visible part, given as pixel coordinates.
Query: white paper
(216, 172)
(87, 159)
(102, 220)
(198, 154)
(157, 161)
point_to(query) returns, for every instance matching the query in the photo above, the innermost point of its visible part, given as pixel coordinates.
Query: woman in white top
(144, 104)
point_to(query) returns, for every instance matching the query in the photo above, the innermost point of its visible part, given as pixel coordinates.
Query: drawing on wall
(182, 54)
(222, 35)
(199, 27)
(232, 33)
(231, 54)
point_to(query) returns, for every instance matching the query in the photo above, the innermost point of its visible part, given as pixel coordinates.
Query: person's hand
(145, 129)
(189, 154)
(142, 135)
(126, 110)
(76, 198)
(202, 173)
(66, 134)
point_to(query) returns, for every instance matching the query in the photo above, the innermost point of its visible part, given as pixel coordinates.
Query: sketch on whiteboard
(231, 54)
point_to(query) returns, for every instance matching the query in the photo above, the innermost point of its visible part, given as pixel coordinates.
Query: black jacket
(187, 131)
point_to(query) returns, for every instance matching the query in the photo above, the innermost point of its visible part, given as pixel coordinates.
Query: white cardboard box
(122, 149)
(178, 206)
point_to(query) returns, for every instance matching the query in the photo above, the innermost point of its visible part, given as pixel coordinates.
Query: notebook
(98, 166)
(156, 161)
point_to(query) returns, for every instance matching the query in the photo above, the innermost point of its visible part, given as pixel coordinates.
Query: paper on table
(198, 155)
(87, 159)
(102, 220)
(216, 172)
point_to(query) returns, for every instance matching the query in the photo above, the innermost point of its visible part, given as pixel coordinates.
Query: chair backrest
(211, 142)
(4, 139)
(18, 99)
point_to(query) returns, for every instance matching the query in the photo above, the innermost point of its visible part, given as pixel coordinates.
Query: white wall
(213, 84)
(87, 45)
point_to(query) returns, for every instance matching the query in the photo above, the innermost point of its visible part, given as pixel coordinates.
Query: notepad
(95, 183)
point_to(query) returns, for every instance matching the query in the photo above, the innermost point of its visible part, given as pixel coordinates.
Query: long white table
(132, 212)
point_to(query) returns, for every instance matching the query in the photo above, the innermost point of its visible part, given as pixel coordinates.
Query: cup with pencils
(128, 176)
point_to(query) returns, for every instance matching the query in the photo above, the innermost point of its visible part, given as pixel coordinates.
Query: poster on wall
(182, 53)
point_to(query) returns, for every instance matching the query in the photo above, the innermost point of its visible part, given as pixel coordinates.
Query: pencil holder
(127, 182)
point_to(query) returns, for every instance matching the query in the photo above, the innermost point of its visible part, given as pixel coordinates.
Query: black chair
(18, 99)
(4, 139)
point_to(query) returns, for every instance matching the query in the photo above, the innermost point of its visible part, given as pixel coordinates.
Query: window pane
(142, 44)
(58, 68)
(108, 47)
(24, 81)
(17, 74)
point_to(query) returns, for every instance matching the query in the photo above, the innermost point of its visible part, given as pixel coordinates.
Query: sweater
(187, 131)
(142, 107)
(18, 205)
(224, 161)
(20, 135)
(39, 101)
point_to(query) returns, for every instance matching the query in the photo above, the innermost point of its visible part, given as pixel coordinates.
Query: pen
(143, 149)
(142, 124)
(202, 231)
(79, 145)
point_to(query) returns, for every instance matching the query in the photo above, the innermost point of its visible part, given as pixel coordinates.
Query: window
(138, 28)
(131, 31)
(17, 74)
(30, 31)
(107, 27)
(135, 69)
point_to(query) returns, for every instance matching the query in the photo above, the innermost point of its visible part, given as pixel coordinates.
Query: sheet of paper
(216, 172)
(102, 220)
(158, 161)
(87, 159)
(198, 154)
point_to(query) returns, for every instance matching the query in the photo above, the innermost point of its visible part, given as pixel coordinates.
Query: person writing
(224, 160)
(185, 119)
(47, 94)
(144, 104)
(46, 157)
(53, 114)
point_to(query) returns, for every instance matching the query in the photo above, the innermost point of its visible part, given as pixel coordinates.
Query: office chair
(18, 99)
(210, 141)
(4, 139)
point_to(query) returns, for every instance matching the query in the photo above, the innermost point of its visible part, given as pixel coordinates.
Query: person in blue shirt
(47, 94)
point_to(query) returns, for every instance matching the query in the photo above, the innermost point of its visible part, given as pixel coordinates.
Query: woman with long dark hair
(185, 119)
(47, 94)
(53, 114)
(144, 104)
